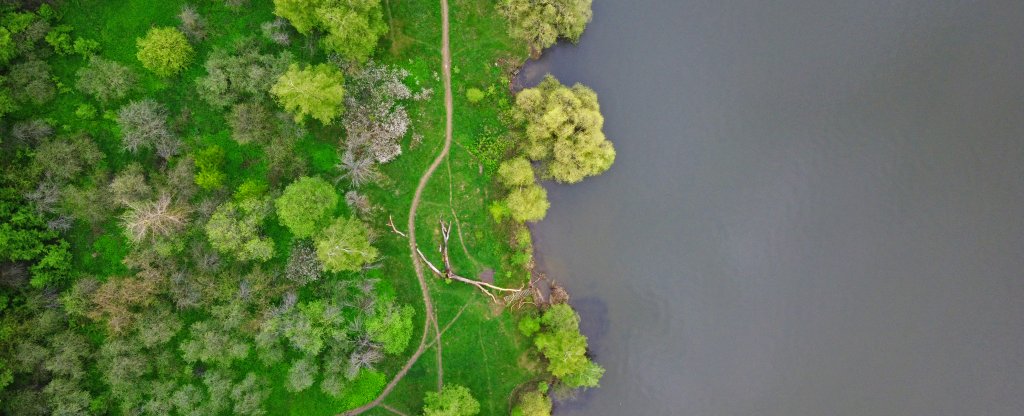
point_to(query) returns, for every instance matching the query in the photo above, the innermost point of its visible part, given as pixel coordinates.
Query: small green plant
(85, 111)
(474, 95)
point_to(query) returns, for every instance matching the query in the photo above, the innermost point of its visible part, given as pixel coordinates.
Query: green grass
(483, 349)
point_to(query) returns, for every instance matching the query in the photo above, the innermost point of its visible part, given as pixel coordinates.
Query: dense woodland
(198, 206)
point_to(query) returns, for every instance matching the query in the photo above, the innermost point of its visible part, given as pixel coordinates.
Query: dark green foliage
(24, 237)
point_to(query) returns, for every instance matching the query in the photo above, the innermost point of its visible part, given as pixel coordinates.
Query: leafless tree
(192, 24)
(358, 202)
(358, 170)
(144, 125)
(277, 31)
(161, 217)
(30, 132)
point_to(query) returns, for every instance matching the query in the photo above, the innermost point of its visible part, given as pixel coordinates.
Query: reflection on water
(817, 208)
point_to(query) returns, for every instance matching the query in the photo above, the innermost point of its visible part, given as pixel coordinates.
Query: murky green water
(817, 208)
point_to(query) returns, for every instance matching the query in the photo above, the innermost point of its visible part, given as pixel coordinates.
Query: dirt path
(446, 70)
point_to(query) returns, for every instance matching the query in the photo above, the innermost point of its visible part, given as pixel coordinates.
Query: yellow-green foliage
(566, 349)
(351, 28)
(306, 205)
(344, 245)
(563, 130)
(164, 50)
(541, 22)
(317, 91)
(453, 400)
(528, 203)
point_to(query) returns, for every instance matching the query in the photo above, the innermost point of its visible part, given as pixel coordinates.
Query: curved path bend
(446, 71)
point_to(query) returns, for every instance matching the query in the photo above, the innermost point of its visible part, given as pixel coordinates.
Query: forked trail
(446, 64)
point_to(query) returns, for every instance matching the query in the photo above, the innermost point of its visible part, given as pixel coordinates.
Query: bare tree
(358, 202)
(192, 24)
(144, 125)
(154, 218)
(277, 31)
(358, 170)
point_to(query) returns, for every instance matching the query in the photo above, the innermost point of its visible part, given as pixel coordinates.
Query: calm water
(817, 208)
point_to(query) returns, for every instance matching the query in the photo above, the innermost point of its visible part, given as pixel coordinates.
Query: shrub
(474, 95)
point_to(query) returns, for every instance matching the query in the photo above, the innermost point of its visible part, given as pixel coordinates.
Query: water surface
(817, 208)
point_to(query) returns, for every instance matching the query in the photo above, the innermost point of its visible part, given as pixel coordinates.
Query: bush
(474, 95)
(164, 50)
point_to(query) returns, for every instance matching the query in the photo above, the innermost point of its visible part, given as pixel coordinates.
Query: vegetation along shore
(307, 207)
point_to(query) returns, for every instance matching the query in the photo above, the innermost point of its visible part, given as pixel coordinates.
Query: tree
(306, 205)
(344, 245)
(249, 395)
(316, 91)
(159, 218)
(106, 80)
(235, 228)
(303, 266)
(375, 121)
(65, 159)
(215, 343)
(301, 375)
(453, 400)
(30, 82)
(516, 172)
(144, 125)
(540, 23)
(563, 130)
(252, 123)
(534, 403)
(565, 348)
(351, 28)
(208, 162)
(129, 186)
(240, 73)
(391, 326)
(164, 50)
(528, 203)
(192, 24)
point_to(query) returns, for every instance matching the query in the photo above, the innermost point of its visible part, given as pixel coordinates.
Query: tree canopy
(565, 348)
(316, 91)
(306, 205)
(351, 28)
(540, 23)
(563, 130)
(344, 245)
(453, 400)
(165, 51)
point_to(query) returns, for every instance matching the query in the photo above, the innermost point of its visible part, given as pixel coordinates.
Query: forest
(246, 207)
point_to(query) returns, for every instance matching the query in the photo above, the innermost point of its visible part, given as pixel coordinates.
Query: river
(817, 208)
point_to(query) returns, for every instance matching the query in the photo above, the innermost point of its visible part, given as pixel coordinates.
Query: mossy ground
(483, 349)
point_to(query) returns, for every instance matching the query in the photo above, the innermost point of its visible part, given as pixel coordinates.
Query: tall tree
(164, 50)
(540, 23)
(306, 205)
(344, 245)
(351, 27)
(563, 130)
(315, 91)
(453, 400)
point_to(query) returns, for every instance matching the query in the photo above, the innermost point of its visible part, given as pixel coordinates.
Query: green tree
(563, 130)
(391, 326)
(302, 375)
(516, 172)
(453, 400)
(306, 205)
(528, 203)
(351, 28)
(315, 91)
(540, 23)
(106, 80)
(164, 50)
(235, 228)
(565, 348)
(344, 245)
(209, 162)
(534, 403)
